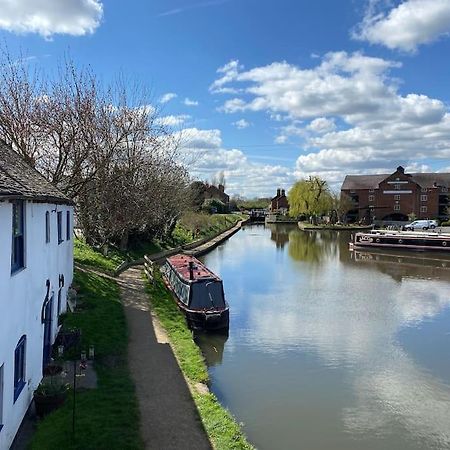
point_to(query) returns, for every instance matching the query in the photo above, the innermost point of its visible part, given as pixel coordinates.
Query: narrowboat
(198, 293)
(404, 240)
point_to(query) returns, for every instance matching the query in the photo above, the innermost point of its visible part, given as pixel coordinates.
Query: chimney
(283, 192)
(221, 188)
(278, 192)
(191, 270)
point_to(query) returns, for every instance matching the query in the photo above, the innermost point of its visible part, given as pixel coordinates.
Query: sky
(266, 91)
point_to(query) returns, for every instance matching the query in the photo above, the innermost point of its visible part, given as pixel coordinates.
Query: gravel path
(169, 417)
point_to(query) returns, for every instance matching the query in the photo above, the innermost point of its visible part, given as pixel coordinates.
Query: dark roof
(425, 180)
(20, 180)
(354, 182)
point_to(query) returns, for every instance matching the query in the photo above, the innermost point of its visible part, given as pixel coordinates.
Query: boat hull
(202, 320)
(403, 241)
(207, 320)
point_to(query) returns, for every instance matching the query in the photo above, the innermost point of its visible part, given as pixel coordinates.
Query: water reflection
(212, 345)
(313, 246)
(335, 370)
(401, 265)
(280, 233)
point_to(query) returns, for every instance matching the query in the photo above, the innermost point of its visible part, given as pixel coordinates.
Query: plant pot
(45, 404)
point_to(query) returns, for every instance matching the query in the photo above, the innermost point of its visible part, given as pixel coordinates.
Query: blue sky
(266, 91)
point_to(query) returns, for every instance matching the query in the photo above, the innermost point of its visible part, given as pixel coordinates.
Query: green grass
(221, 426)
(188, 354)
(107, 417)
(88, 256)
(223, 430)
(184, 233)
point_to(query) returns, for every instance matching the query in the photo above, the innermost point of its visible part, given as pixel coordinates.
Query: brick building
(217, 193)
(395, 196)
(279, 204)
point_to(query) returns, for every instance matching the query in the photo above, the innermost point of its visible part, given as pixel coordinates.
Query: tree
(311, 197)
(100, 144)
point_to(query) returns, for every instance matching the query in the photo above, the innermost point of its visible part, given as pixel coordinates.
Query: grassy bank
(106, 417)
(223, 430)
(191, 227)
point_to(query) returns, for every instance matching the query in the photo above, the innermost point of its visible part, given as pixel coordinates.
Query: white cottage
(36, 270)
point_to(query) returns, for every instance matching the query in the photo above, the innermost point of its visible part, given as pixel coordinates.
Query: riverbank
(193, 230)
(310, 227)
(223, 430)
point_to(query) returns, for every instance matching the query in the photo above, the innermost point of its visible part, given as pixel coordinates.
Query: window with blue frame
(19, 367)
(59, 219)
(68, 225)
(47, 227)
(18, 236)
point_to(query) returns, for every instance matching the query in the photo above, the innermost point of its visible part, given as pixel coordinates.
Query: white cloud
(241, 124)
(321, 125)
(189, 102)
(172, 121)
(408, 25)
(167, 97)
(206, 155)
(229, 71)
(49, 17)
(358, 120)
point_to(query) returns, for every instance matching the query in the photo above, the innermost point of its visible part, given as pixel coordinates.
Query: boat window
(207, 294)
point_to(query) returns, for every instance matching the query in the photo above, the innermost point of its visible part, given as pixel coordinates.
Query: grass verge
(193, 226)
(223, 430)
(106, 417)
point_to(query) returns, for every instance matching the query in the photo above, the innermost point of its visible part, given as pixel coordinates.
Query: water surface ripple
(332, 350)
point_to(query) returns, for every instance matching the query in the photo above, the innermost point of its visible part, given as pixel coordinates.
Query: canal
(329, 349)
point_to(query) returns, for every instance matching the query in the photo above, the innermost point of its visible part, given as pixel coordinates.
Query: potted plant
(50, 394)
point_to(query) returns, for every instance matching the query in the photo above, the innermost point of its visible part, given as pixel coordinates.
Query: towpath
(169, 417)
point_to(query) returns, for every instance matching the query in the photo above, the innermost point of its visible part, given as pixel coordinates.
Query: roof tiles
(20, 180)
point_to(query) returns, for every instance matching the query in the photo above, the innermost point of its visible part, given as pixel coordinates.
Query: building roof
(19, 180)
(425, 180)
(354, 182)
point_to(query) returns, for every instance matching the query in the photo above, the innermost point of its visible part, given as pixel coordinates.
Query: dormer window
(18, 236)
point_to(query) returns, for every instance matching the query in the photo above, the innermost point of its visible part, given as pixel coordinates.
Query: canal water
(329, 349)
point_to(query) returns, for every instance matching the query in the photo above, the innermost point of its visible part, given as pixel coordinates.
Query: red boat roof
(181, 264)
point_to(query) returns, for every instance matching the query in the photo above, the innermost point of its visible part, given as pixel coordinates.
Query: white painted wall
(21, 298)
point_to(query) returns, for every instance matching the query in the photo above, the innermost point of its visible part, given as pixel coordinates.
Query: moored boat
(404, 240)
(197, 291)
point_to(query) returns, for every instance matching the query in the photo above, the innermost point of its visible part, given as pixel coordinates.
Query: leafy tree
(310, 197)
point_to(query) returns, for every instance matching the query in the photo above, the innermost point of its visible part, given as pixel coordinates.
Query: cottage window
(397, 197)
(397, 187)
(424, 190)
(371, 190)
(47, 227)
(423, 209)
(68, 225)
(18, 236)
(371, 198)
(59, 219)
(19, 367)
(444, 189)
(396, 207)
(423, 198)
